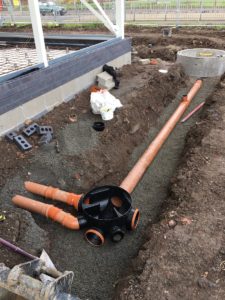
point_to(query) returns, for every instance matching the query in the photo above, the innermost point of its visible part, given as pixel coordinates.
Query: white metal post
(103, 13)
(38, 32)
(120, 17)
(11, 11)
(178, 14)
(100, 16)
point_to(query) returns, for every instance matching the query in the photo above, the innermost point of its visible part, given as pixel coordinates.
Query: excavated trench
(87, 159)
(98, 269)
(184, 253)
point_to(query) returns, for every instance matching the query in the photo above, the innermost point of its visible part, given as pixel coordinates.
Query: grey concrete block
(22, 143)
(102, 81)
(105, 81)
(30, 130)
(145, 61)
(108, 85)
(10, 136)
(104, 76)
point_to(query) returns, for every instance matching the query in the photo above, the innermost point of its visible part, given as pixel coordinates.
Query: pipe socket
(133, 219)
(95, 237)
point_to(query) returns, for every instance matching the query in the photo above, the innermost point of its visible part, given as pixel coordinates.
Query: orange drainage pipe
(53, 193)
(49, 211)
(135, 175)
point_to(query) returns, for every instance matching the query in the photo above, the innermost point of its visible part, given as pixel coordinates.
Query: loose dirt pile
(185, 255)
(149, 43)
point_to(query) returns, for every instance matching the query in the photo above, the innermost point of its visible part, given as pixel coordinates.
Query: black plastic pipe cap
(98, 126)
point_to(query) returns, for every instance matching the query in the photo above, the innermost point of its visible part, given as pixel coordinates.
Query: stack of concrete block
(105, 81)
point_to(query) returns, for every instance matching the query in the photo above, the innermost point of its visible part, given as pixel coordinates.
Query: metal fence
(157, 12)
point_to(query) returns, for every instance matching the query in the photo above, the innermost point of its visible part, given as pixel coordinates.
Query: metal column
(117, 29)
(120, 17)
(38, 32)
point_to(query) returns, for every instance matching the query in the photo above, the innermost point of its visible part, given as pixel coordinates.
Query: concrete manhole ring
(202, 62)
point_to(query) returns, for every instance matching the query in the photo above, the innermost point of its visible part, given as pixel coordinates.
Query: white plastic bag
(104, 103)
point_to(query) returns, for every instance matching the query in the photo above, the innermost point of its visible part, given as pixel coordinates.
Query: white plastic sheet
(104, 103)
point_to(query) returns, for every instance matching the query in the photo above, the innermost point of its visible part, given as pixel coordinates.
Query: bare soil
(179, 261)
(82, 160)
(139, 85)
